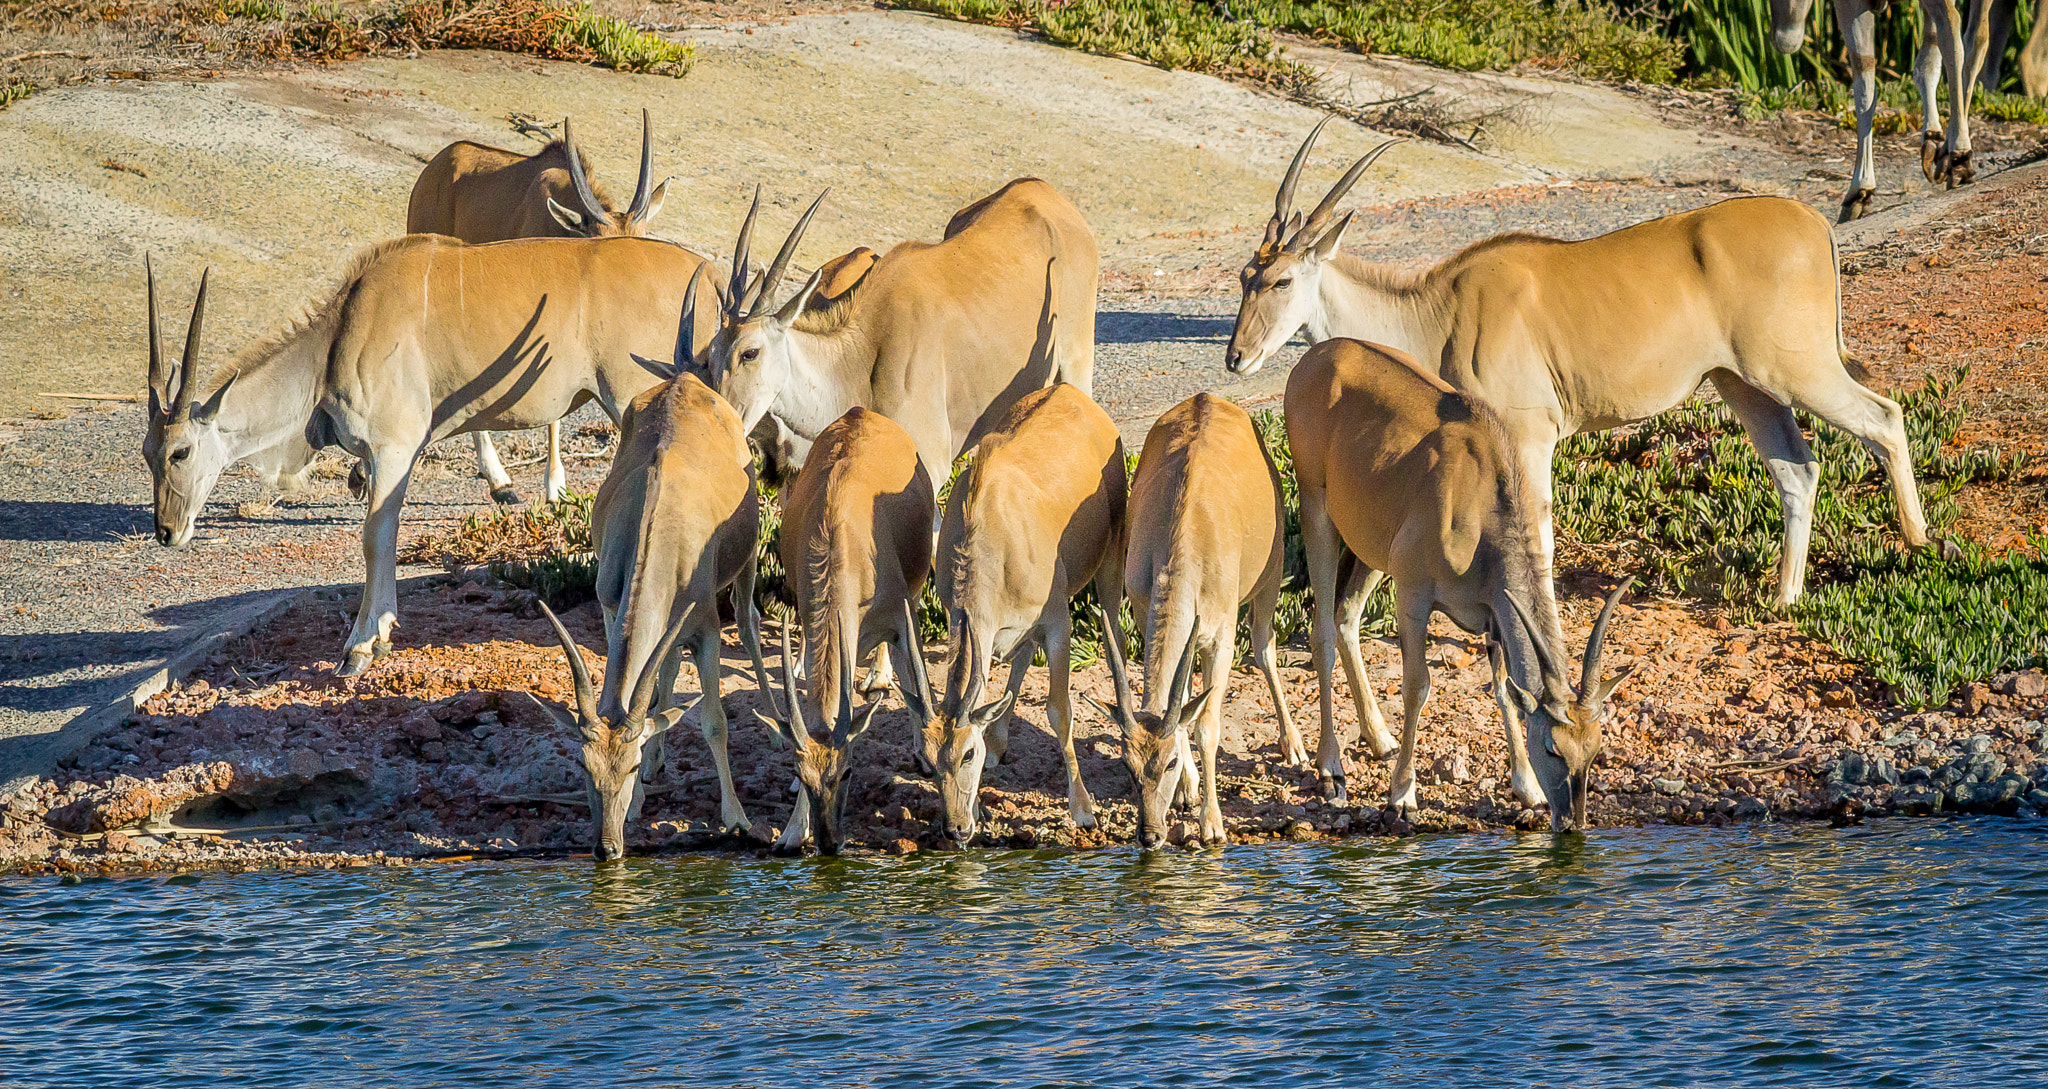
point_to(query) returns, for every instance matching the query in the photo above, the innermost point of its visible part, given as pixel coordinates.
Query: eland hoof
(1856, 205)
(1334, 790)
(1946, 549)
(507, 495)
(359, 483)
(1933, 154)
(1960, 171)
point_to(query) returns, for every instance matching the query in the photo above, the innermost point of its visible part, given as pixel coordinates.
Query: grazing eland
(673, 526)
(1035, 516)
(857, 547)
(1206, 535)
(424, 338)
(1402, 475)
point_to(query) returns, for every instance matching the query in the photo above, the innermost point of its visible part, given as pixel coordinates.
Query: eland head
(1154, 744)
(183, 447)
(822, 770)
(1565, 727)
(750, 355)
(615, 749)
(955, 739)
(591, 218)
(1280, 282)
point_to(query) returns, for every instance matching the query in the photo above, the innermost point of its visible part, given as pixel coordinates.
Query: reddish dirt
(436, 751)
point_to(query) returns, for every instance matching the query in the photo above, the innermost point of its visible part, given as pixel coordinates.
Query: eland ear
(207, 411)
(1606, 688)
(798, 301)
(570, 219)
(562, 718)
(992, 712)
(654, 200)
(866, 719)
(656, 367)
(1523, 699)
(667, 720)
(1326, 246)
(1108, 716)
(1197, 707)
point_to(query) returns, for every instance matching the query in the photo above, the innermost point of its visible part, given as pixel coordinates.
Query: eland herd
(521, 292)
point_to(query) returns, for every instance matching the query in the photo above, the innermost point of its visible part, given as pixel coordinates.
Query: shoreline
(264, 760)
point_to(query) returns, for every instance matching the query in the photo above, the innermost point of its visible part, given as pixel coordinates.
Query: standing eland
(479, 193)
(1563, 337)
(941, 338)
(425, 338)
(1945, 44)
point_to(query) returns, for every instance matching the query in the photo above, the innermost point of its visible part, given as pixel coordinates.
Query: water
(1902, 954)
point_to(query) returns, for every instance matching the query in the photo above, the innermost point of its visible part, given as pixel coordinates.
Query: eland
(479, 193)
(424, 338)
(1402, 475)
(1562, 337)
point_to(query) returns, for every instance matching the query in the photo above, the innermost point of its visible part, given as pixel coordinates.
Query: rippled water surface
(1907, 954)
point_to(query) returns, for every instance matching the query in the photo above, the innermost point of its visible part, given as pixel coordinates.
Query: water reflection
(1882, 955)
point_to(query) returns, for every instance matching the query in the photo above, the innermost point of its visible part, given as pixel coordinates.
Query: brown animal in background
(1036, 515)
(857, 547)
(1206, 535)
(484, 194)
(941, 338)
(1401, 474)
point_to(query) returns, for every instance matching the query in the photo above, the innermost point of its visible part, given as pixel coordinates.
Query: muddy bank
(266, 759)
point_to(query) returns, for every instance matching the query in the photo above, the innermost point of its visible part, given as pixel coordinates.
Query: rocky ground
(266, 758)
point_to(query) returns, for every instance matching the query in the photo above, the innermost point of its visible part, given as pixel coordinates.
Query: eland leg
(1325, 552)
(1265, 600)
(390, 470)
(1217, 677)
(1359, 583)
(1412, 624)
(1951, 163)
(557, 478)
(1059, 708)
(1859, 35)
(1522, 781)
(732, 816)
(1880, 424)
(493, 471)
(1793, 469)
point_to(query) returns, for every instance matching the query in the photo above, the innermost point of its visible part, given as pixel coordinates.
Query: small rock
(1738, 648)
(1179, 832)
(1976, 696)
(1667, 786)
(1721, 624)
(2030, 684)
(1978, 743)
(1851, 734)
(1300, 831)
(901, 847)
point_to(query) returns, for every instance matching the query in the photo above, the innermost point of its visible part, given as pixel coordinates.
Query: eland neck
(277, 390)
(830, 371)
(1364, 300)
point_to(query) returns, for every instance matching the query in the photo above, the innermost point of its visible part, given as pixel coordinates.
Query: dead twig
(124, 398)
(38, 54)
